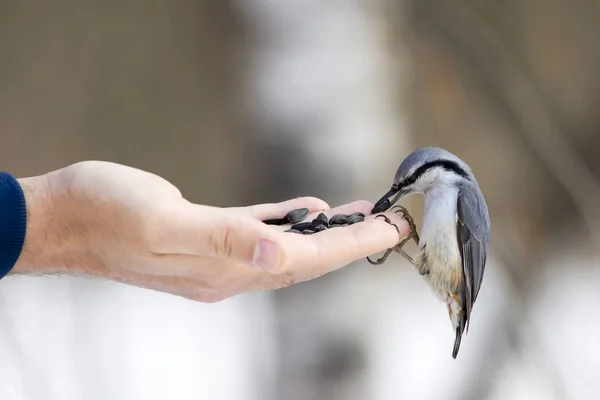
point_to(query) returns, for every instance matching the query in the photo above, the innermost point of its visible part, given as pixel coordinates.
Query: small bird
(455, 232)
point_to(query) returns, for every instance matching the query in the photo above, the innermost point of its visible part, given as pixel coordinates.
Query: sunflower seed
(274, 221)
(293, 231)
(336, 225)
(320, 228)
(357, 214)
(302, 226)
(296, 216)
(322, 217)
(338, 219)
(353, 219)
(308, 232)
(381, 206)
(319, 222)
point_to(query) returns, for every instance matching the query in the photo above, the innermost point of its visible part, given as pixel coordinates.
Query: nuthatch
(455, 232)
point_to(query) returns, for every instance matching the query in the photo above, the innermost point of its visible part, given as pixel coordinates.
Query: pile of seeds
(318, 224)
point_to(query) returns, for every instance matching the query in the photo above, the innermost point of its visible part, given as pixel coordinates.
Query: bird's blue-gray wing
(473, 238)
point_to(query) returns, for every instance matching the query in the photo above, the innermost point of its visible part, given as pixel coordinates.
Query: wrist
(58, 236)
(31, 258)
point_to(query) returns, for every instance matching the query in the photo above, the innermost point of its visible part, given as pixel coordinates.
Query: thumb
(216, 232)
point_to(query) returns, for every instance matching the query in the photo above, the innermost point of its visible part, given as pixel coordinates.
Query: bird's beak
(384, 203)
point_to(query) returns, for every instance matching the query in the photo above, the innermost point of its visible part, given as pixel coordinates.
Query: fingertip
(312, 203)
(376, 231)
(279, 210)
(391, 217)
(362, 206)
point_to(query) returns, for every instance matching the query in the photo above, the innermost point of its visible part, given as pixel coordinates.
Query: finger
(310, 256)
(216, 232)
(356, 206)
(279, 210)
(362, 206)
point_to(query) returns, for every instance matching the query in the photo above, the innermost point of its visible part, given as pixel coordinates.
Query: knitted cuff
(13, 222)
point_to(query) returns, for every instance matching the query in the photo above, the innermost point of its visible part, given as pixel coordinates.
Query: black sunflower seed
(293, 231)
(338, 219)
(302, 226)
(353, 219)
(322, 217)
(319, 228)
(356, 214)
(308, 232)
(296, 216)
(274, 221)
(319, 222)
(381, 206)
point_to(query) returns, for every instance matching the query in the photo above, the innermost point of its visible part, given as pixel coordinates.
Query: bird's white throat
(439, 221)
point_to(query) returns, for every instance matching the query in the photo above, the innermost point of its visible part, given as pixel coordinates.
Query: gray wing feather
(473, 229)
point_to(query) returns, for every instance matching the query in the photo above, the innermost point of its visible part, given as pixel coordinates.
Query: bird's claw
(398, 247)
(382, 259)
(413, 234)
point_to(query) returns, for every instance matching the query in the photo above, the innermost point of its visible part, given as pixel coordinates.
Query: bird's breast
(439, 243)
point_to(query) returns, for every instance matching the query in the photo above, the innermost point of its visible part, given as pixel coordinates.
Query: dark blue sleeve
(13, 222)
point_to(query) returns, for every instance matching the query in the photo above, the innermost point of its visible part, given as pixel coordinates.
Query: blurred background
(244, 101)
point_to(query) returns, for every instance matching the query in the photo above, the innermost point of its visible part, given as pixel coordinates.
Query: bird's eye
(411, 179)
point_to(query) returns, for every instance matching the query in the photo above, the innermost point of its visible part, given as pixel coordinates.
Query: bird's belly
(440, 258)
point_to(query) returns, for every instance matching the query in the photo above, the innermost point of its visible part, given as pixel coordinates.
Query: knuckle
(222, 242)
(316, 201)
(228, 242)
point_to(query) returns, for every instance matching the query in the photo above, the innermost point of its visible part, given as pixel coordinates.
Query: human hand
(112, 221)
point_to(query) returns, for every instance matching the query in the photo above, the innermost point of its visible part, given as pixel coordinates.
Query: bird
(455, 233)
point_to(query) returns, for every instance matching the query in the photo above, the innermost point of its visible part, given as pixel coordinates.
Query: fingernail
(266, 254)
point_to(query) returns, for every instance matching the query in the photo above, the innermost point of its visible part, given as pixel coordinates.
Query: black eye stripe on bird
(455, 233)
(445, 164)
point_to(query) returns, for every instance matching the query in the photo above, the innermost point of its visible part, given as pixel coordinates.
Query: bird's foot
(413, 234)
(397, 248)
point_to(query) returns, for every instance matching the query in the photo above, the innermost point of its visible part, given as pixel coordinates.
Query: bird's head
(422, 170)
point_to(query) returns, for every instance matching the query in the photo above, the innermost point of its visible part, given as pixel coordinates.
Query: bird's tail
(459, 319)
(457, 342)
